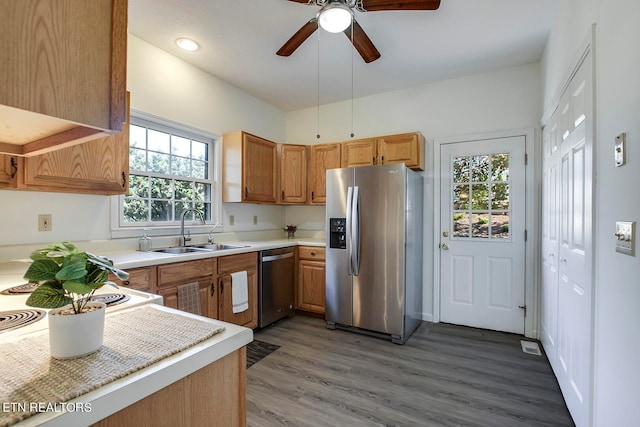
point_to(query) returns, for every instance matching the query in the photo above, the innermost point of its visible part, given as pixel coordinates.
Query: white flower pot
(76, 335)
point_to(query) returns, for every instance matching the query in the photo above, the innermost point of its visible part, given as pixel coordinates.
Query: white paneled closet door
(567, 242)
(550, 231)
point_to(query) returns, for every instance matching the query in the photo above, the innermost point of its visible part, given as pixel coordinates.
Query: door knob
(444, 246)
(445, 234)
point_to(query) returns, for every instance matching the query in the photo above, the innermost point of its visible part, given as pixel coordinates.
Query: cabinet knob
(246, 192)
(282, 194)
(126, 283)
(213, 288)
(313, 254)
(124, 180)
(312, 195)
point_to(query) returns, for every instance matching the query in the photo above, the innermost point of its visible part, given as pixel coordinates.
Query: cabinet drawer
(233, 263)
(311, 252)
(142, 279)
(183, 272)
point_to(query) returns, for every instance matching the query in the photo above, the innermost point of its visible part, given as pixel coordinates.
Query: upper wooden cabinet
(100, 166)
(248, 168)
(321, 158)
(362, 152)
(9, 168)
(405, 148)
(63, 77)
(293, 173)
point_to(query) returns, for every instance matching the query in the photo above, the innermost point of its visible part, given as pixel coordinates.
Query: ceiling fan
(343, 9)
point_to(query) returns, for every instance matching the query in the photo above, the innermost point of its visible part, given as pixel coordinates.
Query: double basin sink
(198, 248)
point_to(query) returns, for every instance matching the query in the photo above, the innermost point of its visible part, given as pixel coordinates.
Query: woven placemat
(132, 340)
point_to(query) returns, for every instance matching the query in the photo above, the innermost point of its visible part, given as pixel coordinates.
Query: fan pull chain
(352, 55)
(318, 95)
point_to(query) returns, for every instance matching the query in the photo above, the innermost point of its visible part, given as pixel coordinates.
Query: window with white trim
(170, 170)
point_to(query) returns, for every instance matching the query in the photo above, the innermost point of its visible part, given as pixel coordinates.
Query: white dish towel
(239, 292)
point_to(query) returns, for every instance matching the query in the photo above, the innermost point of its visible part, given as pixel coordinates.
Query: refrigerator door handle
(355, 234)
(348, 231)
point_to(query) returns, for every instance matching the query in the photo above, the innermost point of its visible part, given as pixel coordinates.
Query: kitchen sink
(198, 248)
(179, 250)
(219, 246)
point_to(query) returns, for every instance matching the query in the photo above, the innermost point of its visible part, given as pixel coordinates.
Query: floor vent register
(531, 347)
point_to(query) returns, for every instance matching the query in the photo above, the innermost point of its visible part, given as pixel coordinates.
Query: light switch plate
(619, 155)
(625, 237)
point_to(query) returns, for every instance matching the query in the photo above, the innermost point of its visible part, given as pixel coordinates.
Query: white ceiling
(239, 38)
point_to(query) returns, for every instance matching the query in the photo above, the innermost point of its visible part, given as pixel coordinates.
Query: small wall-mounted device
(625, 237)
(619, 156)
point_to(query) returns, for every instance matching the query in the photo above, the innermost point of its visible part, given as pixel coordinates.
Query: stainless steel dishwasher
(277, 281)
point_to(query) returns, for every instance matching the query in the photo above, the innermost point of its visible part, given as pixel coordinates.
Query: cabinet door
(321, 158)
(363, 152)
(96, 167)
(170, 297)
(259, 169)
(63, 72)
(311, 286)
(293, 173)
(247, 318)
(9, 169)
(405, 148)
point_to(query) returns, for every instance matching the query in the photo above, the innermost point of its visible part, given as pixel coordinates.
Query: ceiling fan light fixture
(335, 17)
(187, 44)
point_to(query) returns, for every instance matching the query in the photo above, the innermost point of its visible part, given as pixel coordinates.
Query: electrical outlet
(231, 219)
(255, 220)
(44, 222)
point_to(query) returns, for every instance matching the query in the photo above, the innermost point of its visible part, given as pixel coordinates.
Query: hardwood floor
(444, 375)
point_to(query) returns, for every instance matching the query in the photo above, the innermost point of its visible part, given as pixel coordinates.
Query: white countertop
(12, 272)
(132, 259)
(116, 395)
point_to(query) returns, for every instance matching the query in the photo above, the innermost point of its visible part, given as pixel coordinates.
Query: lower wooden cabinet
(208, 305)
(213, 276)
(212, 396)
(231, 264)
(310, 295)
(171, 276)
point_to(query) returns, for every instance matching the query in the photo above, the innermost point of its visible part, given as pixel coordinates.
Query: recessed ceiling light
(187, 44)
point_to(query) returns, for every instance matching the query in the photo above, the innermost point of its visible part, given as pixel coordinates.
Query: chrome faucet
(210, 239)
(184, 239)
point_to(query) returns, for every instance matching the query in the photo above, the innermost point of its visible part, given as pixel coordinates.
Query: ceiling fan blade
(298, 38)
(362, 43)
(376, 5)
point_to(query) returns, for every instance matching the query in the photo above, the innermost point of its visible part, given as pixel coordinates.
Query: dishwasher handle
(269, 258)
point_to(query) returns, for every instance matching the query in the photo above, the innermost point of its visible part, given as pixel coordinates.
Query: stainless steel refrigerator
(374, 250)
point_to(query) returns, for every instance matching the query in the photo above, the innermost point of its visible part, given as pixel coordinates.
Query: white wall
(165, 86)
(617, 313)
(505, 99)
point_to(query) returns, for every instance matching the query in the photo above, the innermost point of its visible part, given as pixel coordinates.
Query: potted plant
(291, 230)
(67, 280)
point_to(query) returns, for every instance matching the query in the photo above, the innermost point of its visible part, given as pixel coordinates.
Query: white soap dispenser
(144, 243)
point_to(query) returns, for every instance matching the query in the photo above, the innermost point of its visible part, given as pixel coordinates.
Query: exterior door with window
(482, 236)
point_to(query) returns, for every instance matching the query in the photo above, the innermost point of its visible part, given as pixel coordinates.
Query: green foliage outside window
(481, 195)
(168, 173)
